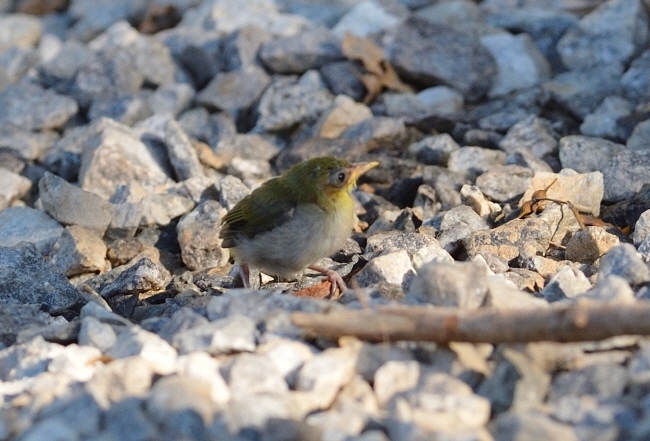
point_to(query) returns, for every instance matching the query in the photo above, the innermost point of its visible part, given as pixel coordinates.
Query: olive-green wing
(264, 209)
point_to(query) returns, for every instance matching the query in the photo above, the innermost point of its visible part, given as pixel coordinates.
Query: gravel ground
(514, 147)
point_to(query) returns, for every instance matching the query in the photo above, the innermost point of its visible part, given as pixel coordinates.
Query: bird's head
(327, 179)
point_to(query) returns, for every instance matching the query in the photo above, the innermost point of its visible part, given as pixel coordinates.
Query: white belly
(307, 237)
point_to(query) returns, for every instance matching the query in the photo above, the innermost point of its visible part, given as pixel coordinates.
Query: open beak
(359, 168)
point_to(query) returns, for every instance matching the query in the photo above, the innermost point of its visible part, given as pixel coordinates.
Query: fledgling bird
(292, 221)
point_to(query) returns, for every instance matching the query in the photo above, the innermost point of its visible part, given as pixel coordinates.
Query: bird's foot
(336, 281)
(244, 272)
(249, 277)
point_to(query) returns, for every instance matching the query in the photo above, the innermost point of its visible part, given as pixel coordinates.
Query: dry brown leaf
(537, 202)
(539, 194)
(379, 72)
(526, 209)
(392, 80)
(364, 50)
(594, 221)
(319, 291)
(373, 85)
(207, 156)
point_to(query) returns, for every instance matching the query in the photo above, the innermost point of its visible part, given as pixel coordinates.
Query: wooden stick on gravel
(580, 321)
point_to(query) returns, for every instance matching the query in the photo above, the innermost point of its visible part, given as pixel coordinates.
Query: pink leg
(245, 275)
(336, 281)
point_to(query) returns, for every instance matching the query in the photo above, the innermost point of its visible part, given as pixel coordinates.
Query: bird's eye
(340, 177)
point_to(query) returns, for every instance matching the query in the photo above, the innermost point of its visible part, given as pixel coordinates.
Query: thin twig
(581, 321)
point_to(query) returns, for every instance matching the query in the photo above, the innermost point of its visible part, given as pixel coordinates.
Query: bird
(293, 220)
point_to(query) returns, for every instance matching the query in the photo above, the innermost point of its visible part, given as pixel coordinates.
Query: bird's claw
(335, 279)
